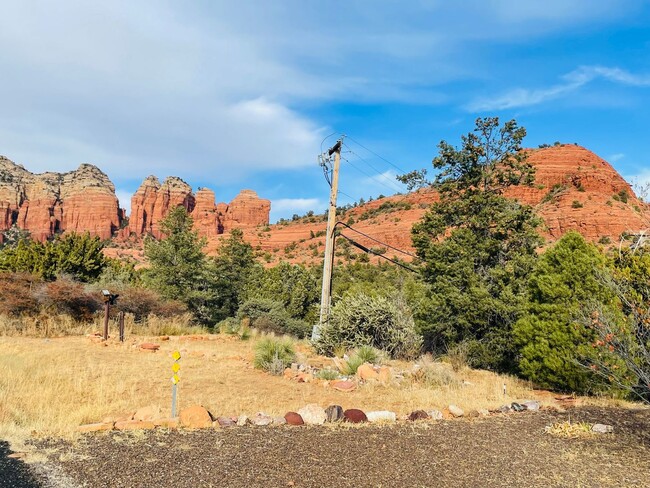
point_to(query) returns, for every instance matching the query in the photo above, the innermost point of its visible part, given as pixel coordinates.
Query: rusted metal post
(122, 326)
(107, 306)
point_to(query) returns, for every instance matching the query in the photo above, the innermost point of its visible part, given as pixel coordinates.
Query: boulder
(367, 372)
(418, 415)
(381, 416)
(226, 422)
(243, 420)
(455, 411)
(517, 407)
(293, 418)
(195, 417)
(334, 413)
(151, 412)
(149, 346)
(531, 405)
(261, 419)
(313, 414)
(166, 423)
(354, 416)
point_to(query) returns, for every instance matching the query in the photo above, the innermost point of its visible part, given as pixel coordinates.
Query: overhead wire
(378, 155)
(370, 251)
(375, 239)
(395, 187)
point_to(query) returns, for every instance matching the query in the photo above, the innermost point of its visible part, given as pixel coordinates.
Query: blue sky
(233, 95)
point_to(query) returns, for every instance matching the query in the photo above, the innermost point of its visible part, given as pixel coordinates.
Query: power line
(392, 189)
(379, 156)
(374, 169)
(374, 239)
(370, 251)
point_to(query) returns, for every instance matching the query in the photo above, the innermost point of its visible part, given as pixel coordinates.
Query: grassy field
(48, 387)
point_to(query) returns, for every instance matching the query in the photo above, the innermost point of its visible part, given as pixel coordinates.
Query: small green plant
(229, 326)
(605, 240)
(327, 374)
(351, 365)
(274, 355)
(554, 192)
(369, 354)
(576, 204)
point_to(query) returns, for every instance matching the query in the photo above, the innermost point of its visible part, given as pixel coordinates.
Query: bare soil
(506, 450)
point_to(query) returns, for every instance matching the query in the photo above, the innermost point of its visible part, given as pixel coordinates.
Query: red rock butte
(84, 201)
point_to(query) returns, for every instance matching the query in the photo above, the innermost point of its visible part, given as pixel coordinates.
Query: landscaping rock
(101, 426)
(472, 414)
(435, 414)
(195, 417)
(294, 418)
(305, 377)
(504, 409)
(381, 416)
(279, 421)
(344, 385)
(483, 412)
(149, 346)
(166, 423)
(135, 425)
(313, 414)
(602, 429)
(334, 413)
(455, 411)
(385, 375)
(226, 422)
(355, 416)
(261, 419)
(243, 420)
(418, 415)
(367, 372)
(517, 407)
(147, 413)
(533, 406)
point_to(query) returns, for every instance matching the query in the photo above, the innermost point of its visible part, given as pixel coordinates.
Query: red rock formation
(206, 219)
(79, 201)
(246, 210)
(142, 205)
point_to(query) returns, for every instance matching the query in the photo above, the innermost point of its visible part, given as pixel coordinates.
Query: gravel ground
(508, 450)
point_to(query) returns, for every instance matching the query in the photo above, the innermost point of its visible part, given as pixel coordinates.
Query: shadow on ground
(13, 472)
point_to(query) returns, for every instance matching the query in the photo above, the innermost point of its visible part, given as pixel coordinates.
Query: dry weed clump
(570, 430)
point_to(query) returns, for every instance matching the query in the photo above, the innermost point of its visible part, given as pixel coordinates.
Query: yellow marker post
(175, 379)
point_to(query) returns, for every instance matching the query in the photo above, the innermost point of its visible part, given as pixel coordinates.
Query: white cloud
(286, 207)
(124, 198)
(524, 97)
(615, 157)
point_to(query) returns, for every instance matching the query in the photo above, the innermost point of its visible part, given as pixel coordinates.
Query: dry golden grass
(48, 387)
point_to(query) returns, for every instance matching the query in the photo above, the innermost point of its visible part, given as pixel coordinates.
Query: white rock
(531, 405)
(242, 420)
(381, 416)
(456, 411)
(435, 414)
(313, 414)
(261, 419)
(602, 428)
(483, 412)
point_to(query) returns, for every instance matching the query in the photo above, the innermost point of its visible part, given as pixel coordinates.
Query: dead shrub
(16, 294)
(65, 296)
(141, 302)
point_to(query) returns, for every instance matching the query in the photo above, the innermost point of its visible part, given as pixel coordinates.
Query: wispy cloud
(613, 158)
(525, 97)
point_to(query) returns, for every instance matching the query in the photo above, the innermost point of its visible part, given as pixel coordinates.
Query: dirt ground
(506, 450)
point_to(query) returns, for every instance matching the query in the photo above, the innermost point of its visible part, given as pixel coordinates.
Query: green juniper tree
(476, 245)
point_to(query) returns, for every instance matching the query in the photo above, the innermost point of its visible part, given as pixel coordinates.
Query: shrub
(17, 297)
(65, 296)
(327, 374)
(576, 204)
(369, 354)
(363, 320)
(274, 355)
(351, 364)
(271, 316)
(142, 302)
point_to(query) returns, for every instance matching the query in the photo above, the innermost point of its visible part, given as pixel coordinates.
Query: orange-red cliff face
(78, 201)
(153, 201)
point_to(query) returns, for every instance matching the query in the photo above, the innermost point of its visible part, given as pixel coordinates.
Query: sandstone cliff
(152, 201)
(78, 201)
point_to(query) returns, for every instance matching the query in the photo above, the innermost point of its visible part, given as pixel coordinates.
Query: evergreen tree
(477, 246)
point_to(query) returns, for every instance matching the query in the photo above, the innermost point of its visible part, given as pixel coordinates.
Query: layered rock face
(78, 201)
(575, 189)
(153, 201)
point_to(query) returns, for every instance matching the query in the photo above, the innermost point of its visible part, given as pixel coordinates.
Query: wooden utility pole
(328, 262)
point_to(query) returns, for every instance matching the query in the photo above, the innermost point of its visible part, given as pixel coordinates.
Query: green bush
(364, 320)
(271, 316)
(274, 355)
